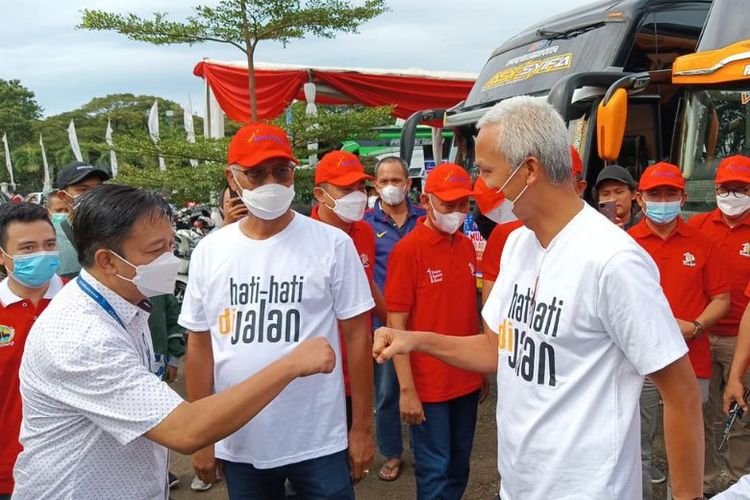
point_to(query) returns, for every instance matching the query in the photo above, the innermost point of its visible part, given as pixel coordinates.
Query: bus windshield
(715, 124)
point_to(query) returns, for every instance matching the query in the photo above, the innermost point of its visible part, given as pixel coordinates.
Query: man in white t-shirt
(257, 289)
(577, 319)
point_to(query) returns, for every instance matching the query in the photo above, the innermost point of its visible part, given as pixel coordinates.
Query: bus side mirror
(610, 125)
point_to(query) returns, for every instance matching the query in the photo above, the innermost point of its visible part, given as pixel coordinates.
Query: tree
(18, 110)
(242, 24)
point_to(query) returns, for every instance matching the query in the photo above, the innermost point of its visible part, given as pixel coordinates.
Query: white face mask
(448, 223)
(732, 206)
(269, 201)
(155, 278)
(371, 201)
(350, 208)
(393, 195)
(502, 213)
(500, 190)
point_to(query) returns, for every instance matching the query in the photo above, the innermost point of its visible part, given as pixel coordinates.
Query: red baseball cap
(340, 168)
(449, 182)
(487, 198)
(733, 168)
(661, 174)
(577, 162)
(257, 142)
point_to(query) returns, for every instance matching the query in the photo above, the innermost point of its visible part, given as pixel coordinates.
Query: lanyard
(104, 304)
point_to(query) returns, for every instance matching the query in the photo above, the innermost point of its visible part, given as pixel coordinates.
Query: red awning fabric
(277, 86)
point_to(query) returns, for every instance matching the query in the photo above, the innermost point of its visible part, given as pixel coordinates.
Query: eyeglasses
(723, 192)
(256, 175)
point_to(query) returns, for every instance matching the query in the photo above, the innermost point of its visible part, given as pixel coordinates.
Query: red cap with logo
(734, 168)
(577, 163)
(340, 168)
(449, 182)
(661, 174)
(257, 142)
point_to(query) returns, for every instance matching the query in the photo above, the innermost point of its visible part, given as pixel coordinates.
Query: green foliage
(18, 110)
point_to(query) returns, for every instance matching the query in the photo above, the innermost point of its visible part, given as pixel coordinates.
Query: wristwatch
(698, 329)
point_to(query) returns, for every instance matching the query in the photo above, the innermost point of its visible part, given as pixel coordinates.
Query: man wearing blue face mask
(28, 250)
(692, 277)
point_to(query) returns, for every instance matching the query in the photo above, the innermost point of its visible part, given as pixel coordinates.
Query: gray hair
(393, 159)
(529, 126)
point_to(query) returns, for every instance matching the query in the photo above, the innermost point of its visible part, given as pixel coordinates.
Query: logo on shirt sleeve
(365, 260)
(7, 333)
(688, 259)
(745, 250)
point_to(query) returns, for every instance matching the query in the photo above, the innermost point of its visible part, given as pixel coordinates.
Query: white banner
(8, 162)
(112, 156)
(187, 120)
(311, 110)
(73, 137)
(47, 177)
(153, 129)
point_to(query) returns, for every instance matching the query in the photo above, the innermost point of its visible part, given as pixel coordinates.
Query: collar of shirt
(124, 309)
(414, 211)
(7, 297)
(717, 218)
(642, 230)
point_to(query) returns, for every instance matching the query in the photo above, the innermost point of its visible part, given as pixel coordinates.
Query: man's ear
(105, 260)
(536, 171)
(424, 200)
(638, 197)
(320, 195)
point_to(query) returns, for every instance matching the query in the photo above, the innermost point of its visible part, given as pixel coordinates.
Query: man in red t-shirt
(430, 286)
(728, 226)
(342, 200)
(693, 280)
(28, 250)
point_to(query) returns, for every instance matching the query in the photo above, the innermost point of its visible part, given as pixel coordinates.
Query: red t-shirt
(690, 274)
(733, 249)
(494, 249)
(431, 277)
(363, 237)
(16, 318)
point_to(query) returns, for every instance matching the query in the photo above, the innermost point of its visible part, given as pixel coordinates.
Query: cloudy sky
(66, 67)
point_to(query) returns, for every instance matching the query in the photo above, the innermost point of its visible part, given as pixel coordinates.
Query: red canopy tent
(278, 85)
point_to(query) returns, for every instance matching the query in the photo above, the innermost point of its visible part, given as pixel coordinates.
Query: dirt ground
(484, 481)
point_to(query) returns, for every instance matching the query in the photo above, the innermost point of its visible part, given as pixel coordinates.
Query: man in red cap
(693, 281)
(729, 227)
(340, 191)
(430, 285)
(257, 289)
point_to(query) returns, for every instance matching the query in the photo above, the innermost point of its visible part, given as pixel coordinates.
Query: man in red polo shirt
(28, 250)
(342, 200)
(430, 286)
(728, 226)
(692, 278)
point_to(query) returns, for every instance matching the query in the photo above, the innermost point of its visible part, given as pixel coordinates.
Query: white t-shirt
(739, 491)
(260, 299)
(572, 360)
(89, 396)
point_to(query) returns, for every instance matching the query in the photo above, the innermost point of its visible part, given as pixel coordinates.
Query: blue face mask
(58, 218)
(663, 212)
(35, 269)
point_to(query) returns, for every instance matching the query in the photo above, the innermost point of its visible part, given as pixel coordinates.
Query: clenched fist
(313, 356)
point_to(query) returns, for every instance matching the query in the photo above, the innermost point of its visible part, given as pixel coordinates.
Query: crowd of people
(595, 322)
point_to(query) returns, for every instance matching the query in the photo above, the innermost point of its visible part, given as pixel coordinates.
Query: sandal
(387, 469)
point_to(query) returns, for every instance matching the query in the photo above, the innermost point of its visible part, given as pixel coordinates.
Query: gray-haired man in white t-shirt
(577, 319)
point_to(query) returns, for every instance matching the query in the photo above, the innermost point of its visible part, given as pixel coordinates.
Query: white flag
(8, 163)
(189, 127)
(74, 141)
(153, 129)
(47, 176)
(112, 156)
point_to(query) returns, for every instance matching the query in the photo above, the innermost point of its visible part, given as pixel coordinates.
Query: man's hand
(411, 408)
(361, 455)
(389, 342)
(206, 467)
(734, 392)
(313, 356)
(687, 328)
(234, 210)
(171, 375)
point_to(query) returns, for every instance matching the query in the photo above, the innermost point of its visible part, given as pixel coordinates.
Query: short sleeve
(491, 310)
(193, 315)
(401, 279)
(635, 313)
(491, 255)
(349, 287)
(106, 381)
(715, 279)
